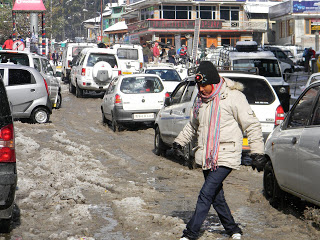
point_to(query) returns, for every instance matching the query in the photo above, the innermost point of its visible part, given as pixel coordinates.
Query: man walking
(55, 58)
(146, 53)
(8, 43)
(172, 54)
(156, 52)
(220, 115)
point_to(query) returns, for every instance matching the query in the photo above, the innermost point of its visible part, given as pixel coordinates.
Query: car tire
(104, 120)
(159, 146)
(79, 91)
(114, 124)
(40, 115)
(59, 101)
(5, 225)
(188, 158)
(72, 89)
(271, 187)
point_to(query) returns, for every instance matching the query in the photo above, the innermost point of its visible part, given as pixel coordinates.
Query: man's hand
(258, 161)
(177, 149)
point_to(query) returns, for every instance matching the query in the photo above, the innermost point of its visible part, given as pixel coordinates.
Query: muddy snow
(79, 180)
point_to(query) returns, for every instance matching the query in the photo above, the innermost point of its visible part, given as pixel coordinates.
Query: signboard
(185, 24)
(99, 38)
(18, 45)
(29, 5)
(305, 6)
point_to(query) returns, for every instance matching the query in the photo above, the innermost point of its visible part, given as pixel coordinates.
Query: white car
(176, 112)
(94, 69)
(130, 99)
(293, 152)
(169, 76)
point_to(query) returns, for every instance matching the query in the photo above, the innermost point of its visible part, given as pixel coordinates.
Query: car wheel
(159, 147)
(79, 91)
(40, 115)
(5, 225)
(114, 124)
(188, 158)
(59, 101)
(104, 120)
(72, 89)
(271, 187)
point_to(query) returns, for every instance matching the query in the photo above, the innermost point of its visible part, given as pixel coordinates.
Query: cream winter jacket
(236, 117)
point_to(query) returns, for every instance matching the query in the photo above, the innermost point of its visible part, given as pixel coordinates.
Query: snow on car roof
(246, 43)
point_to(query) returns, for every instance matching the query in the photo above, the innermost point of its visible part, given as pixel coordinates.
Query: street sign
(18, 45)
(196, 38)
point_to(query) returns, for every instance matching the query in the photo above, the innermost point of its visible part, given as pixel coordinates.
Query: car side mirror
(167, 101)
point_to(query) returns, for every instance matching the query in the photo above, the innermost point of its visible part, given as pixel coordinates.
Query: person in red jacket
(156, 52)
(8, 43)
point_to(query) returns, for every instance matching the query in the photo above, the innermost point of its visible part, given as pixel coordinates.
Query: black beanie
(207, 73)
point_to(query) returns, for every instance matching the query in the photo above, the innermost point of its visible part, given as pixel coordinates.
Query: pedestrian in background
(146, 53)
(172, 54)
(307, 54)
(163, 55)
(156, 52)
(55, 58)
(8, 43)
(220, 115)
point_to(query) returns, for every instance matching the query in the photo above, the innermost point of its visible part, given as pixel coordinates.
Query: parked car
(27, 92)
(8, 168)
(93, 71)
(42, 64)
(130, 99)
(176, 112)
(69, 52)
(293, 152)
(130, 57)
(169, 76)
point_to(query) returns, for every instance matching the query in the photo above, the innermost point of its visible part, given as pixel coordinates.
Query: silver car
(27, 91)
(293, 152)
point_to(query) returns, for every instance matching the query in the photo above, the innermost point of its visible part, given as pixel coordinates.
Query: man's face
(205, 89)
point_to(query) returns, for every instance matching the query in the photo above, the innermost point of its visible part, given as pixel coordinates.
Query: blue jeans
(212, 193)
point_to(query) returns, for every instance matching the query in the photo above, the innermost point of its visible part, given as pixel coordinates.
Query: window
(131, 54)
(316, 115)
(177, 94)
(132, 85)
(176, 12)
(290, 27)
(36, 62)
(20, 77)
(1, 74)
(312, 25)
(97, 57)
(188, 94)
(206, 12)
(229, 13)
(302, 112)
(46, 66)
(16, 58)
(267, 67)
(147, 13)
(166, 74)
(282, 29)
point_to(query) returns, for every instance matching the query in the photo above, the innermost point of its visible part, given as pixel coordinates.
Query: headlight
(282, 90)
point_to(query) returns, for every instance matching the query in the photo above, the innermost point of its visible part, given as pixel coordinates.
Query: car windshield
(97, 57)
(131, 54)
(267, 67)
(16, 58)
(257, 91)
(165, 74)
(135, 85)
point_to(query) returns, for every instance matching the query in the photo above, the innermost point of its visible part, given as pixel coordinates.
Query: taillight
(69, 63)
(279, 116)
(117, 99)
(45, 83)
(119, 72)
(83, 72)
(141, 65)
(167, 95)
(7, 146)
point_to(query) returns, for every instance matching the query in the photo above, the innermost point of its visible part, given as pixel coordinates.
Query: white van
(130, 57)
(69, 52)
(248, 58)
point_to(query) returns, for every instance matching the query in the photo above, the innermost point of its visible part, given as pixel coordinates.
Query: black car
(8, 168)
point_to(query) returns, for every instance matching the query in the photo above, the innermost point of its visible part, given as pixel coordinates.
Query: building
(173, 22)
(296, 23)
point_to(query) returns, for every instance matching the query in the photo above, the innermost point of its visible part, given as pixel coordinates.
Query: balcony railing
(206, 24)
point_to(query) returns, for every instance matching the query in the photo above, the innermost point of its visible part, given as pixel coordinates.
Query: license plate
(143, 115)
(127, 72)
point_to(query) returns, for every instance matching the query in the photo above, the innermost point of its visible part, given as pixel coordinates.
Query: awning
(29, 6)
(119, 26)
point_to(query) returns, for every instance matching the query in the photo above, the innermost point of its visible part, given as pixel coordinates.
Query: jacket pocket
(227, 147)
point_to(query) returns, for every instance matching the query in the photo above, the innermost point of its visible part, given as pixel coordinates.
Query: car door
(287, 144)
(108, 99)
(21, 88)
(165, 115)
(309, 152)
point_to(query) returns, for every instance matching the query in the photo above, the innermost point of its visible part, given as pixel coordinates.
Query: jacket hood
(232, 85)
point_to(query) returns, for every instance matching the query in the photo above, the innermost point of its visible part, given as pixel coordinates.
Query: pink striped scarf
(213, 141)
